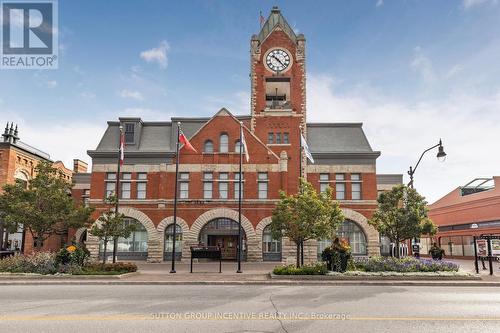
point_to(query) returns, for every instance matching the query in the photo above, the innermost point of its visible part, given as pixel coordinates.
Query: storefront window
(468, 242)
(269, 244)
(169, 236)
(136, 242)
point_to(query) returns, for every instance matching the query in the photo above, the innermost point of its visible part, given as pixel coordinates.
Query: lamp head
(441, 155)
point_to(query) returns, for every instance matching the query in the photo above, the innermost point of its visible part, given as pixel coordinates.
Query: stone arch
(170, 220)
(252, 240)
(155, 250)
(372, 236)
(185, 232)
(79, 234)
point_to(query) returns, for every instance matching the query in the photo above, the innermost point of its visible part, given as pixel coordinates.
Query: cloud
(63, 140)
(422, 65)
(468, 123)
(131, 94)
(87, 95)
(51, 84)
(144, 113)
(379, 3)
(467, 4)
(157, 55)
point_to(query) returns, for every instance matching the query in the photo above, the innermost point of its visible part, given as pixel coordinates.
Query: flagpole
(239, 200)
(117, 194)
(300, 189)
(175, 198)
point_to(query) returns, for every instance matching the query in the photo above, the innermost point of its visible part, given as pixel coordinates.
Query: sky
(412, 71)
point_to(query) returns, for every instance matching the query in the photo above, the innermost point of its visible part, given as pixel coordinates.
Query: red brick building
(208, 205)
(467, 211)
(18, 162)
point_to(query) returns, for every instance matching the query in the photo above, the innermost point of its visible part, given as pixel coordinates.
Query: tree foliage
(110, 226)
(402, 214)
(43, 206)
(306, 215)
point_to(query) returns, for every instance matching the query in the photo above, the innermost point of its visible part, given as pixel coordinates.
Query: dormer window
(224, 143)
(129, 133)
(208, 147)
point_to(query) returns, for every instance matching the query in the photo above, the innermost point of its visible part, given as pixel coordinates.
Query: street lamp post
(441, 156)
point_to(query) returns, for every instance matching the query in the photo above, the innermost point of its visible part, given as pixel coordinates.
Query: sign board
(495, 247)
(482, 247)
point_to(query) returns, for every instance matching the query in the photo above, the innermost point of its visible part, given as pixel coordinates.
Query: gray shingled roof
(323, 138)
(337, 138)
(276, 19)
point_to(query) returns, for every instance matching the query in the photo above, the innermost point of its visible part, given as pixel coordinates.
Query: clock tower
(278, 89)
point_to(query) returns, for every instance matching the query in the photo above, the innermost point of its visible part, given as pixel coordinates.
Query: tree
(43, 206)
(306, 215)
(110, 226)
(402, 214)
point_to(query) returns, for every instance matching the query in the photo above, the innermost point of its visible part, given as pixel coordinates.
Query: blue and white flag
(304, 145)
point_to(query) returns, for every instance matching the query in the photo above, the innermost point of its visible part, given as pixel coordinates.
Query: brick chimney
(79, 166)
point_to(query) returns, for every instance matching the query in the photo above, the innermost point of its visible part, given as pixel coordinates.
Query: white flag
(306, 148)
(244, 145)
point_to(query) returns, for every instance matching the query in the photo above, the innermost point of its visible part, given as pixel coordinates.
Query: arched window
(352, 232)
(21, 177)
(271, 248)
(208, 147)
(169, 237)
(237, 146)
(133, 247)
(224, 143)
(356, 237)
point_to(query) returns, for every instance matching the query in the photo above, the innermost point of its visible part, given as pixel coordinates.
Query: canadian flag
(185, 141)
(122, 148)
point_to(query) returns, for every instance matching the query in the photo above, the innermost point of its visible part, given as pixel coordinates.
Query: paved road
(129, 308)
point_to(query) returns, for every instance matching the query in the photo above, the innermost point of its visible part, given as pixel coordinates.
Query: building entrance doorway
(228, 245)
(223, 232)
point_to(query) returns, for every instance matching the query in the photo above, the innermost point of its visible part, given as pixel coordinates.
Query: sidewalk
(253, 274)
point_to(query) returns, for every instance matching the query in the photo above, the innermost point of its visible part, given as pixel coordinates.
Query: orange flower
(71, 248)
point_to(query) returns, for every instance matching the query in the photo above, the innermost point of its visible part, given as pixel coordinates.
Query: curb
(393, 283)
(377, 277)
(39, 277)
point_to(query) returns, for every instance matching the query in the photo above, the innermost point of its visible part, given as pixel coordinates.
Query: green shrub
(38, 262)
(309, 269)
(105, 269)
(73, 255)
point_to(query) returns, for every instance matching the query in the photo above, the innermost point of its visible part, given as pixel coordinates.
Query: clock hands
(282, 64)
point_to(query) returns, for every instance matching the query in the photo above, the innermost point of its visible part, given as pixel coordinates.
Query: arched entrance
(223, 232)
(134, 247)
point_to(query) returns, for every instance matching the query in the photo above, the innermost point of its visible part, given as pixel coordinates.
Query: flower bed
(67, 261)
(402, 265)
(38, 263)
(309, 269)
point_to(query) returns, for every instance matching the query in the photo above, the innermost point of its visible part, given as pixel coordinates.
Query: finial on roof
(275, 9)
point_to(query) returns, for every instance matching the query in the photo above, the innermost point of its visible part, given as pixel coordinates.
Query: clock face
(278, 60)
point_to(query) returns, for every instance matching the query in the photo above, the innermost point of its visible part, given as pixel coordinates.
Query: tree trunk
(104, 251)
(397, 248)
(298, 253)
(1, 236)
(302, 252)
